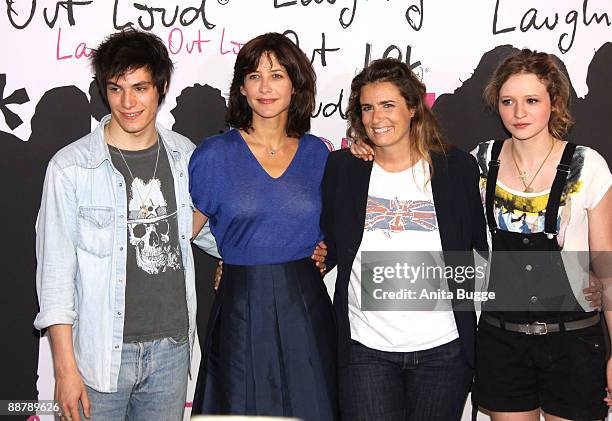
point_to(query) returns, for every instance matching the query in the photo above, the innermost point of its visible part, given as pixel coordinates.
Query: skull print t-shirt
(155, 303)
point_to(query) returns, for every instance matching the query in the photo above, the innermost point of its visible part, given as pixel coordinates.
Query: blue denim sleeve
(55, 250)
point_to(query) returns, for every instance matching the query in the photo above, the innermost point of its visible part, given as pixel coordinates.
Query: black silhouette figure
(199, 113)
(463, 115)
(593, 113)
(98, 106)
(61, 116)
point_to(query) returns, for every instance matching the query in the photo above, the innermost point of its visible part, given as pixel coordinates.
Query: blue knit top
(255, 218)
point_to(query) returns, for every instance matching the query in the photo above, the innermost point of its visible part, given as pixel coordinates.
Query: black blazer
(460, 218)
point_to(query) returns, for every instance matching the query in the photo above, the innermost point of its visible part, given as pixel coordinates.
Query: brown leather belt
(541, 328)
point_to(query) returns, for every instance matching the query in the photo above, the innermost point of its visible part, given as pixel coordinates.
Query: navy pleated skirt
(270, 345)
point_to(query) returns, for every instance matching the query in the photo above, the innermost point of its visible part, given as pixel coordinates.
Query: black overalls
(527, 272)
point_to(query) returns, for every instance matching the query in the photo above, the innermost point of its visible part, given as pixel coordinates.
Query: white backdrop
(45, 44)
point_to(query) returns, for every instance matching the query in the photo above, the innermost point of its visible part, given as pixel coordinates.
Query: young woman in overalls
(548, 204)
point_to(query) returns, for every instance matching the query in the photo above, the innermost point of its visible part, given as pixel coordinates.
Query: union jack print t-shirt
(400, 216)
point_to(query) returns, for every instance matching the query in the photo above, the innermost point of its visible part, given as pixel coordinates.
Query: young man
(115, 274)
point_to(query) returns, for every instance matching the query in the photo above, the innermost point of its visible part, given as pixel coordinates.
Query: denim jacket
(81, 249)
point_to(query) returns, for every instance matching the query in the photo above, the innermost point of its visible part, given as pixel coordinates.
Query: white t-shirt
(515, 211)
(409, 224)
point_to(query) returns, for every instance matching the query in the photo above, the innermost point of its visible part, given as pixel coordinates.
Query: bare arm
(600, 245)
(69, 387)
(199, 219)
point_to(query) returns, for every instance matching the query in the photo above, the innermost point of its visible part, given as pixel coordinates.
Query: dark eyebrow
(383, 102)
(141, 83)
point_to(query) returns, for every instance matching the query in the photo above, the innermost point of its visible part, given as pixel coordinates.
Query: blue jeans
(152, 383)
(430, 385)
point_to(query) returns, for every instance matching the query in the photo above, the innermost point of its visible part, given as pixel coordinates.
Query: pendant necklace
(144, 211)
(271, 152)
(524, 175)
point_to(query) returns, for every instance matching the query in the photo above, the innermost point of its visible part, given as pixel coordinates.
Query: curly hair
(425, 133)
(129, 50)
(300, 72)
(546, 68)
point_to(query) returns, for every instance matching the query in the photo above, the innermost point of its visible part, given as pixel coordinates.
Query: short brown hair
(548, 71)
(299, 69)
(425, 133)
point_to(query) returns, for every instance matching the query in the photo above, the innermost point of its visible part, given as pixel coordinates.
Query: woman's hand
(362, 150)
(608, 398)
(318, 255)
(594, 292)
(218, 274)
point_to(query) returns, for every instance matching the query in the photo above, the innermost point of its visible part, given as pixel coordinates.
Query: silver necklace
(271, 151)
(144, 211)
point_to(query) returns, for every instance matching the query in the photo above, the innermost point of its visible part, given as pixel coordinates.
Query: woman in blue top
(271, 335)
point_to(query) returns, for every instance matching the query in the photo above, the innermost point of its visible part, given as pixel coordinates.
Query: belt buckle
(537, 328)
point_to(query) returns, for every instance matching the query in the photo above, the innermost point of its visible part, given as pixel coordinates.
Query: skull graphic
(151, 235)
(151, 240)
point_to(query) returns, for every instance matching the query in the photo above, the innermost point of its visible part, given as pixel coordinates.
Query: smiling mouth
(266, 100)
(131, 116)
(381, 130)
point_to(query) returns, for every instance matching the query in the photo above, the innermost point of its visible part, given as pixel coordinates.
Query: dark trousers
(399, 386)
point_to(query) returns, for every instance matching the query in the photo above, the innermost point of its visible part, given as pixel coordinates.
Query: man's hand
(362, 150)
(69, 390)
(69, 387)
(318, 255)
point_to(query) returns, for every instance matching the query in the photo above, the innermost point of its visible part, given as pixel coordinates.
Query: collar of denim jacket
(98, 149)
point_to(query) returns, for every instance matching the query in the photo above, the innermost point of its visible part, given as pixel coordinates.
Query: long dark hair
(299, 70)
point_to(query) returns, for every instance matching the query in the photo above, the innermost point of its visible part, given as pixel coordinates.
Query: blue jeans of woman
(430, 385)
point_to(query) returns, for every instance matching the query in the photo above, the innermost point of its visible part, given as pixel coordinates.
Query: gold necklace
(524, 175)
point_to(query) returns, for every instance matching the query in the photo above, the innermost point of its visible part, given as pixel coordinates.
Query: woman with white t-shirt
(418, 195)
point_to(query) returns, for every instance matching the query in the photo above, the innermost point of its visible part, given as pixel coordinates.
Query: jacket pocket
(96, 230)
